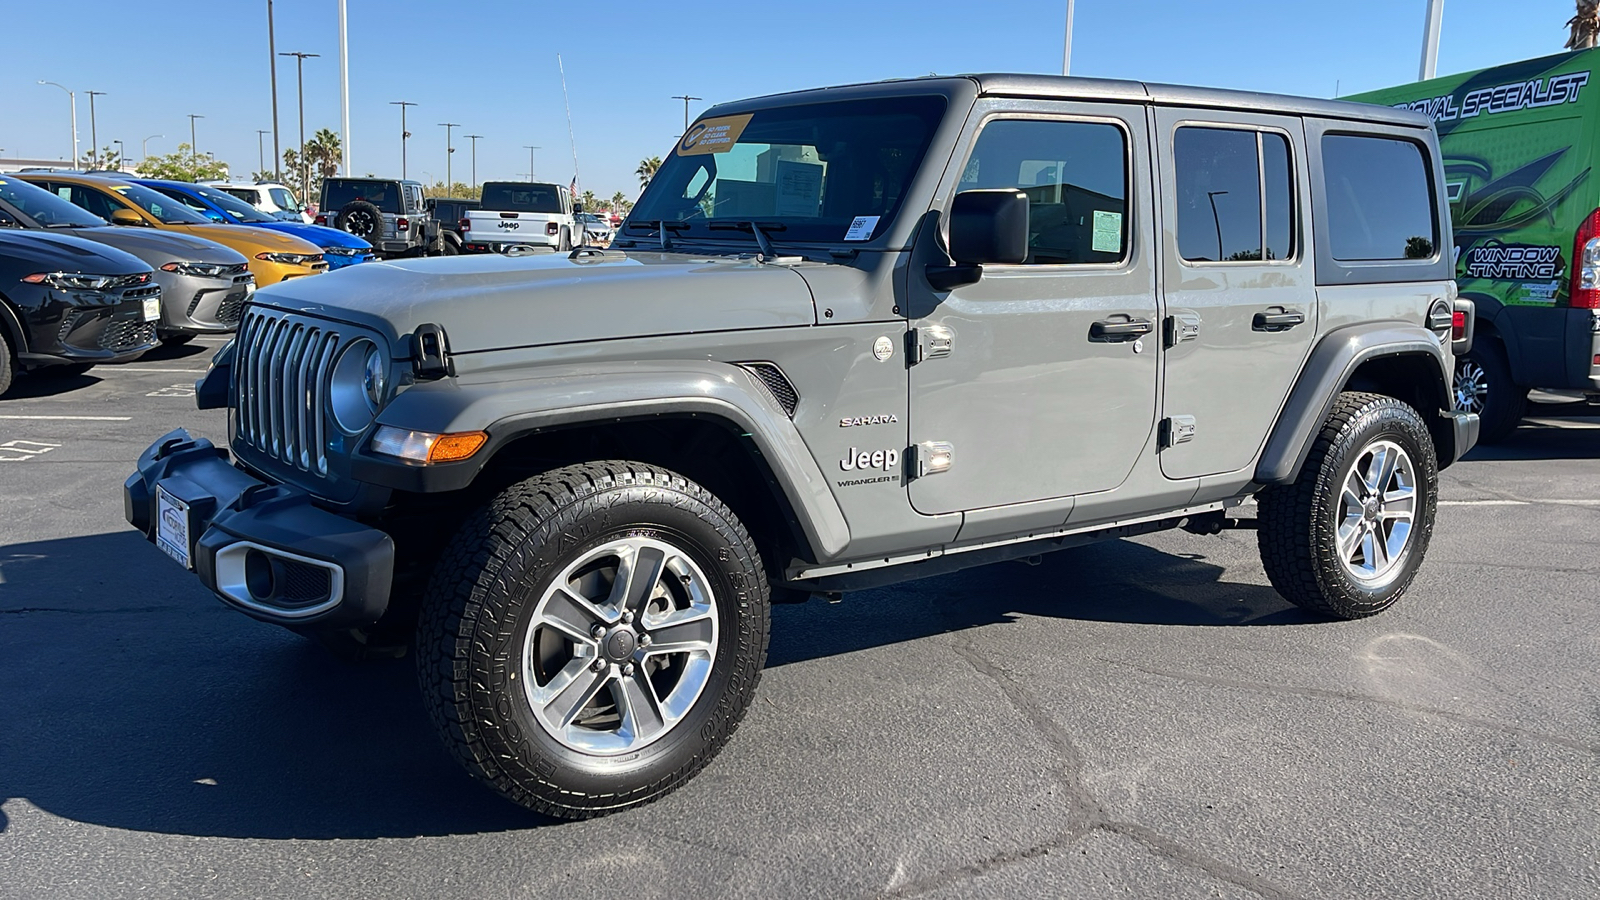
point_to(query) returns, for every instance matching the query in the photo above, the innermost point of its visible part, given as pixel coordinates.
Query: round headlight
(374, 377)
(356, 386)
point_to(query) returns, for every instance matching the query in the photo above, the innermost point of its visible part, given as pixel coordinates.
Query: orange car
(273, 255)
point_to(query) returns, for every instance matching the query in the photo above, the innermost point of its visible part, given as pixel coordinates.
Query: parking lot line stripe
(1484, 503)
(159, 371)
(74, 418)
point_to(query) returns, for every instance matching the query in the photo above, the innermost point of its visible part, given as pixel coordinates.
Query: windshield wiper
(759, 229)
(662, 226)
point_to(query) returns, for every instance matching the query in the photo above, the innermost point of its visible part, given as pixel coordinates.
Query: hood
(46, 252)
(493, 302)
(321, 235)
(158, 247)
(249, 239)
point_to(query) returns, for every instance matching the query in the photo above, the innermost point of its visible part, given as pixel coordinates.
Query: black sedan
(67, 304)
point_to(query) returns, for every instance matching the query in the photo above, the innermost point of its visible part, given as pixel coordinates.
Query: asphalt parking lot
(1143, 718)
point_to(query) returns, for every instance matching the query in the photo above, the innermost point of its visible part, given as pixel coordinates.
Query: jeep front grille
(282, 387)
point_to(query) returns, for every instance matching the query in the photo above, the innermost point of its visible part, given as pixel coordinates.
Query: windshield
(233, 206)
(821, 172)
(514, 196)
(45, 208)
(165, 209)
(283, 199)
(385, 195)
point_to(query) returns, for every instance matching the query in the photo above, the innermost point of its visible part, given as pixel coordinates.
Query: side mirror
(986, 227)
(125, 217)
(577, 208)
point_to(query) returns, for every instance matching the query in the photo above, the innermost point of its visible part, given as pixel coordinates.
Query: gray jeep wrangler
(848, 337)
(390, 214)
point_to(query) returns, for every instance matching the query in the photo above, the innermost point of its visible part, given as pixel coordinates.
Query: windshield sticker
(861, 228)
(713, 135)
(799, 188)
(1107, 232)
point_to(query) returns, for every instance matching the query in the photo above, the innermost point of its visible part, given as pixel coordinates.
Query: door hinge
(1177, 430)
(931, 458)
(929, 342)
(1181, 326)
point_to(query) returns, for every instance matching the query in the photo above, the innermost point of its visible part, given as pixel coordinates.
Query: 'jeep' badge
(870, 459)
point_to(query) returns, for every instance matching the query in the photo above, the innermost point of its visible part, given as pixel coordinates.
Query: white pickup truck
(521, 214)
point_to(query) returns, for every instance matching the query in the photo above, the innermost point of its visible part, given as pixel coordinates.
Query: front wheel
(593, 636)
(1346, 538)
(8, 364)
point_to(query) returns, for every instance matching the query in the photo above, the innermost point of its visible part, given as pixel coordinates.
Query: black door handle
(1115, 330)
(1277, 319)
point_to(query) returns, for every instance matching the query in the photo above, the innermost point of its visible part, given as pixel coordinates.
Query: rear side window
(1380, 206)
(1223, 213)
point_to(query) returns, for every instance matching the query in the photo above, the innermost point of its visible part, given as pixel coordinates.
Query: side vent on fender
(776, 383)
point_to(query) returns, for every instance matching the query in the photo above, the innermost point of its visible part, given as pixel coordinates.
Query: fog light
(426, 446)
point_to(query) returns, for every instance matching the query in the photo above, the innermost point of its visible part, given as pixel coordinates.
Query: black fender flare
(575, 395)
(1334, 360)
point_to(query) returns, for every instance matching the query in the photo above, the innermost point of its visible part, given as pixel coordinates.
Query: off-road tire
(1504, 402)
(372, 234)
(8, 364)
(482, 598)
(1297, 522)
(564, 243)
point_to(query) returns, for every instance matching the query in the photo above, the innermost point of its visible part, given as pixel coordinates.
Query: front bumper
(501, 246)
(265, 549)
(268, 272)
(192, 304)
(92, 328)
(1461, 435)
(342, 261)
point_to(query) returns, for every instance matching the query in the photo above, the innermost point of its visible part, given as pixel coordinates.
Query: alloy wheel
(1377, 508)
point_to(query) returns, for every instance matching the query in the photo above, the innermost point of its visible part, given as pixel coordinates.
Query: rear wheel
(1346, 538)
(593, 636)
(564, 243)
(1484, 386)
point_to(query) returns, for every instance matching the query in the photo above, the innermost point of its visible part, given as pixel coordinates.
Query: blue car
(339, 248)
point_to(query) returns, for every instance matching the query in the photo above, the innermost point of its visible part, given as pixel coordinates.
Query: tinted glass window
(1280, 195)
(162, 207)
(1219, 194)
(283, 199)
(510, 196)
(1075, 176)
(93, 201)
(384, 195)
(233, 206)
(43, 207)
(1379, 204)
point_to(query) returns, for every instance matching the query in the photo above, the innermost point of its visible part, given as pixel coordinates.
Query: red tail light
(1458, 325)
(402, 224)
(551, 228)
(1585, 293)
(320, 219)
(465, 224)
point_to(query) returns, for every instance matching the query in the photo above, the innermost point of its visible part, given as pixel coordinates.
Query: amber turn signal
(453, 447)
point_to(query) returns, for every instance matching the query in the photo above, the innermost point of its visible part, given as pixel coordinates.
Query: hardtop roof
(1059, 87)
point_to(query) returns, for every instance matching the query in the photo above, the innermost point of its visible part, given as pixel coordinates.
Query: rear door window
(1380, 206)
(1223, 213)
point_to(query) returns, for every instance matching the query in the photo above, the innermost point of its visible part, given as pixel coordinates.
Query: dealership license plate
(172, 527)
(152, 308)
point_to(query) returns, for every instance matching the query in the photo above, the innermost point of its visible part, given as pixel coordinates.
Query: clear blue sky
(491, 64)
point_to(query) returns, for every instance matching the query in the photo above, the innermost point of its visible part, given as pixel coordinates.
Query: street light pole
(122, 155)
(474, 157)
(300, 76)
(1213, 195)
(1430, 40)
(686, 98)
(449, 151)
(194, 145)
(72, 97)
(344, 92)
(1066, 47)
(403, 133)
(144, 147)
(261, 154)
(272, 60)
(94, 135)
(532, 171)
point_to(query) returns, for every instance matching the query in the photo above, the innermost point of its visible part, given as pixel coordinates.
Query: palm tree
(323, 152)
(589, 201)
(1585, 25)
(647, 170)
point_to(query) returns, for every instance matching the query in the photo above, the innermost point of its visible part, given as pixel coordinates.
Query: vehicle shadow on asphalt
(43, 384)
(135, 700)
(1545, 438)
(173, 352)
(1116, 581)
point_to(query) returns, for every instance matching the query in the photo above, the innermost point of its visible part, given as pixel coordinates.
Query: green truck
(1520, 143)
